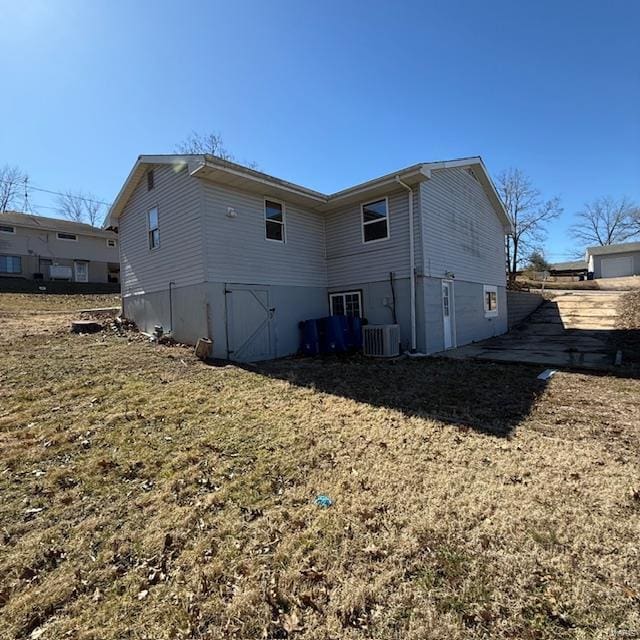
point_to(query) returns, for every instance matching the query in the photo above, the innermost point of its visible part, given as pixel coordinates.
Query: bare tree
(635, 220)
(607, 221)
(209, 143)
(80, 207)
(529, 213)
(12, 179)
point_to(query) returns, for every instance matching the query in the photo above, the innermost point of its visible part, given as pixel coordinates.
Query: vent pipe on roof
(412, 261)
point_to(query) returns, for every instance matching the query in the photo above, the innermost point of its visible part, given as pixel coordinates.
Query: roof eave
(111, 219)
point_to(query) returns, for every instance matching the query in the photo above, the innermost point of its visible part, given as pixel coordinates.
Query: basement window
(10, 264)
(153, 228)
(346, 303)
(67, 236)
(274, 214)
(490, 301)
(375, 221)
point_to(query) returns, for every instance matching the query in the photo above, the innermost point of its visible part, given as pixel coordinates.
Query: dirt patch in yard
(146, 494)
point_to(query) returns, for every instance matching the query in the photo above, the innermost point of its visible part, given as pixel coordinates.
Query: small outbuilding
(614, 260)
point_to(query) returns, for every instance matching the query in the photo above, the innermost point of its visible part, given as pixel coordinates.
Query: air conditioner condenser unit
(381, 340)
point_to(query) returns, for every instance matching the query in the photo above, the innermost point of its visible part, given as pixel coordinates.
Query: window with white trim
(10, 264)
(490, 301)
(111, 242)
(346, 303)
(5, 228)
(67, 236)
(375, 220)
(274, 220)
(153, 228)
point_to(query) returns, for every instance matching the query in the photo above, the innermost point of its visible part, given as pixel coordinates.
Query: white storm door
(81, 271)
(447, 313)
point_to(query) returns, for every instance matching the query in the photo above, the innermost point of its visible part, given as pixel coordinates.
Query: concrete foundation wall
(521, 305)
(470, 323)
(189, 312)
(291, 305)
(200, 311)
(377, 307)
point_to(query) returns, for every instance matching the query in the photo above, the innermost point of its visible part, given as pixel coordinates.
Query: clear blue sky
(328, 93)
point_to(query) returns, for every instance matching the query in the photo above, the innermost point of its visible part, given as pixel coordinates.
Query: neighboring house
(614, 260)
(568, 271)
(35, 247)
(212, 248)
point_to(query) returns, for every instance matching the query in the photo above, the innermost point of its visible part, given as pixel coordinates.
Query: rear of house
(39, 248)
(213, 249)
(614, 260)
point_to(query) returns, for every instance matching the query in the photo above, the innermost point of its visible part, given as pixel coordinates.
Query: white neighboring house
(35, 247)
(210, 248)
(614, 260)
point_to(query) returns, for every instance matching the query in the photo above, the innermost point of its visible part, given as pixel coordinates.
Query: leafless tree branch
(528, 212)
(606, 221)
(80, 207)
(12, 178)
(209, 143)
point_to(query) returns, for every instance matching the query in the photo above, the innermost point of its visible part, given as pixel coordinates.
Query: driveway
(572, 330)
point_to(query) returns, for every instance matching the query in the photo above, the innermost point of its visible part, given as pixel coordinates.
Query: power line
(59, 193)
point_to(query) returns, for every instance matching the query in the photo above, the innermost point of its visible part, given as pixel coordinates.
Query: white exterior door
(81, 271)
(447, 313)
(249, 323)
(617, 267)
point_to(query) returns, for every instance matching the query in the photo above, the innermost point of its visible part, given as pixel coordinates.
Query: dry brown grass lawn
(147, 495)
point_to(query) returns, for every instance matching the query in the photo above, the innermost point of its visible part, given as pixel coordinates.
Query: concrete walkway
(572, 330)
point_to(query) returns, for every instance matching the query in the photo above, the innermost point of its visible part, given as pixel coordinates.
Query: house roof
(613, 248)
(233, 174)
(575, 265)
(17, 219)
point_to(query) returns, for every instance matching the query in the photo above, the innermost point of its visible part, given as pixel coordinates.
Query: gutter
(412, 261)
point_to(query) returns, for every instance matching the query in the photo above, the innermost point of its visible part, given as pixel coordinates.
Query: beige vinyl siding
(351, 261)
(237, 248)
(462, 233)
(179, 258)
(27, 241)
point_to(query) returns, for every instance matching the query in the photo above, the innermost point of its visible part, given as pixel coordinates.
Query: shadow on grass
(489, 398)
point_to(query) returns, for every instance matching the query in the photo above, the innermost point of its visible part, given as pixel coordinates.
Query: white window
(67, 236)
(5, 228)
(274, 220)
(346, 303)
(375, 220)
(153, 227)
(10, 264)
(111, 242)
(490, 301)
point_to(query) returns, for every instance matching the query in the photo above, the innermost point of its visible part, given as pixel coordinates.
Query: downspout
(412, 261)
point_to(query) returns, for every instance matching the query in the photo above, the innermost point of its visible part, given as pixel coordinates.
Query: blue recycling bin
(333, 332)
(310, 338)
(355, 332)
